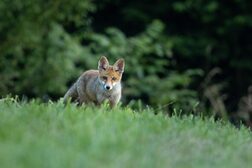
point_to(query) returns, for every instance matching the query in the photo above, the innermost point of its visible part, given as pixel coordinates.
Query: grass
(51, 135)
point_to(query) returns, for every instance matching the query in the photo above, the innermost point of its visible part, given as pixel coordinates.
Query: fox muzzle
(106, 86)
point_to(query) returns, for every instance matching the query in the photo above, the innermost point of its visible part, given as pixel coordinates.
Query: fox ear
(103, 63)
(119, 65)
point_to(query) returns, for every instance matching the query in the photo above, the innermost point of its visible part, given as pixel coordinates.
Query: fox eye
(113, 78)
(104, 78)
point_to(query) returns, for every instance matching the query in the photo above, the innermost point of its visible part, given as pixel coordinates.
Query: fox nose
(108, 87)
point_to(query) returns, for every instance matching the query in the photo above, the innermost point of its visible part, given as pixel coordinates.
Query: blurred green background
(189, 56)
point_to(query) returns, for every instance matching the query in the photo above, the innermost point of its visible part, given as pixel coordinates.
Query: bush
(38, 55)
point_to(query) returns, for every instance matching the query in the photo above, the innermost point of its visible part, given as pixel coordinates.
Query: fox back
(96, 86)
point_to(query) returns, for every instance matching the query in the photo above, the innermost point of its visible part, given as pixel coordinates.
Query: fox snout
(108, 87)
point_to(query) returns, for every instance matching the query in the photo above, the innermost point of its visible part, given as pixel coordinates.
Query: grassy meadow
(53, 135)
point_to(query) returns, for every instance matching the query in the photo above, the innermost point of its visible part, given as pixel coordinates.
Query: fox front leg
(114, 100)
(100, 99)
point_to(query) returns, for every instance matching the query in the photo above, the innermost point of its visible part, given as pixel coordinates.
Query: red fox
(96, 86)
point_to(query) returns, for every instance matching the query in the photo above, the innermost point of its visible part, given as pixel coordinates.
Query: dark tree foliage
(37, 55)
(204, 34)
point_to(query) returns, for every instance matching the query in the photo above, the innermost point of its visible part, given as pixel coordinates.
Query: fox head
(110, 75)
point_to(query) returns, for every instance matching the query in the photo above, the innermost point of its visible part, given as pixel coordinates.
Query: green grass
(51, 135)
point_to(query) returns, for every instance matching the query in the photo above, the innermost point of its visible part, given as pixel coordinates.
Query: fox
(97, 86)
